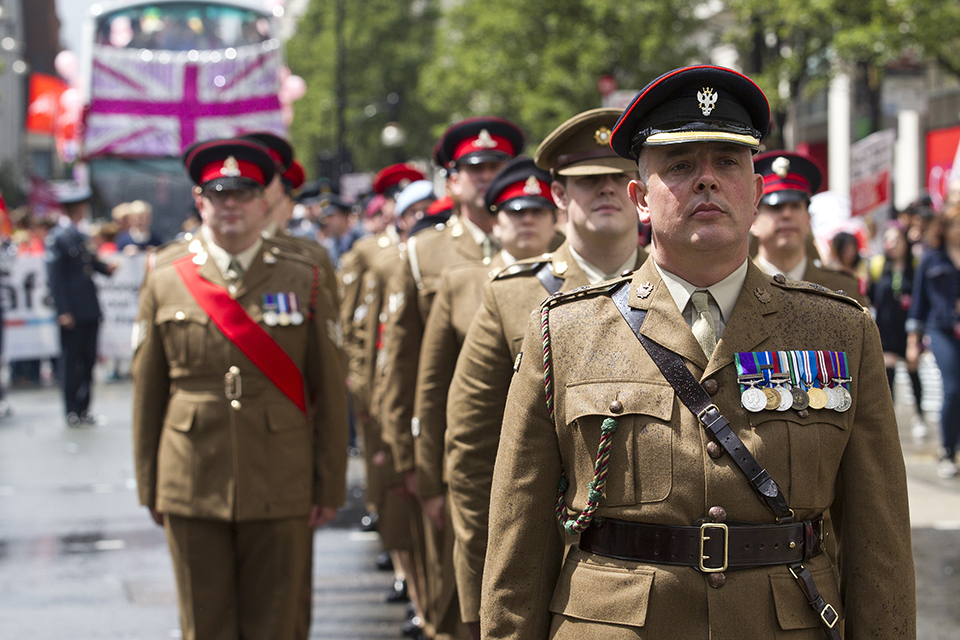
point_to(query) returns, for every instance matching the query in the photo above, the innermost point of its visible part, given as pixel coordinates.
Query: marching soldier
(782, 228)
(525, 214)
(474, 150)
(240, 412)
(589, 184)
(693, 420)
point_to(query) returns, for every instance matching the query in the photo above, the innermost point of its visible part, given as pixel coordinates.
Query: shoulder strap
(697, 400)
(240, 329)
(548, 278)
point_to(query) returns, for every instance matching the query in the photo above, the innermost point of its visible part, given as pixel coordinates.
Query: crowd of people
(537, 355)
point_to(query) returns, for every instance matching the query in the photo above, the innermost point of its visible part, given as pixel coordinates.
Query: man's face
(274, 195)
(596, 205)
(470, 182)
(699, 196)
(413, 213)
(525, 233)
(782, 227)
(234, 217)
(336, 224)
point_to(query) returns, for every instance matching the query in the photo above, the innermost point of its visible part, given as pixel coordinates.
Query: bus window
(182, 26)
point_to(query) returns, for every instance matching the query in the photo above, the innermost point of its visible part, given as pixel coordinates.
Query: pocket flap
(181, 313)
(596, 398)
(815, 416)
(793, 610)
(180, 415)
(603, 593)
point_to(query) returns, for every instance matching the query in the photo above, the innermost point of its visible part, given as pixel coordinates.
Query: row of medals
(273, 316)
(783, 396)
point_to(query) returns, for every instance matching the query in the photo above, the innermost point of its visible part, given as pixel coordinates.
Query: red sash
(240, 329)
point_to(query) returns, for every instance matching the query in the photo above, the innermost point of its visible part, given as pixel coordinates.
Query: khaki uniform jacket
(835, 280)
(454, 308)
(410, 293)
(199, 454)
(478, 393)
(660, 472)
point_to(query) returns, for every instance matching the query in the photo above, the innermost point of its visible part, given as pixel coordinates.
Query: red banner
(44, 107)
(942, 147)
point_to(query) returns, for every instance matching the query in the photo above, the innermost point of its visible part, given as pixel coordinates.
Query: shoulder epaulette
(168, 252)
(523, 267)
(607, 287)
(811, 287)
(284, 251)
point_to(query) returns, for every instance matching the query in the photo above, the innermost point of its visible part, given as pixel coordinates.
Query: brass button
(803, 413)
(779, 278)
(180, 315)
(716, 580)
(710, 386)
(234, 370)
(235, 404)
(717, 514)
(714, 450)
(616, 407)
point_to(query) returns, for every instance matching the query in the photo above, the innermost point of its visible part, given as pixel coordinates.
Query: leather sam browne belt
(710, 547)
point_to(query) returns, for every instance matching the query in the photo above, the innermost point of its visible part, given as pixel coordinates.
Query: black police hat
(332, 203)
(280, 150)
(519, 185)
(478, 140)
(787, 177)
(229, 164)
(693, 104)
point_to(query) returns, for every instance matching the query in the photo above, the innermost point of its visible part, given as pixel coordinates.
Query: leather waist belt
(710, 547)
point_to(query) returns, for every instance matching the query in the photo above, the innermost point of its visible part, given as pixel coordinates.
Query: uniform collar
(220, 256)
(771, 269)
(595, 275)
(475, 232)
(724, 292)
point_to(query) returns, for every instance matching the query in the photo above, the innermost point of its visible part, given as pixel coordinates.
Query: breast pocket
(184, 331)
(640, 467)
(802, 453)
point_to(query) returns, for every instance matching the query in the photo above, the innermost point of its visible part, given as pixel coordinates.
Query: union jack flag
(158, 103)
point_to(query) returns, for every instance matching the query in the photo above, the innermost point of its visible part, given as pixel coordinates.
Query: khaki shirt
(253, 455)
(660, 473)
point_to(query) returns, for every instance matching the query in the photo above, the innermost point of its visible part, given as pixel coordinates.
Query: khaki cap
(581, 146)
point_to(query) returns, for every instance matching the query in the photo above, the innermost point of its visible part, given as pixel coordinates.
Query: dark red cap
(787, 177)
(394, 178)
(440, 205)
(519, 185)
(280, 150)
(230, 164)
(478, 140)
(294, 176)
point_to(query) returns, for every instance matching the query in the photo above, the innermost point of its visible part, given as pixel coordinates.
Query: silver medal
(753, 399)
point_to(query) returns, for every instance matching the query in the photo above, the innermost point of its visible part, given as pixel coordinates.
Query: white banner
(30, 328)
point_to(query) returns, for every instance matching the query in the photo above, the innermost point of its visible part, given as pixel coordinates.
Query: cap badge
(781, 166)
(230, 169)
(708, 100)
(403, 184)
(532, 187)
(484, 141)
(602, 136)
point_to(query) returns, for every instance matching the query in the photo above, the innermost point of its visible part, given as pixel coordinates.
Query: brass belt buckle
(726, 546)
(829, 616)
(232, 388)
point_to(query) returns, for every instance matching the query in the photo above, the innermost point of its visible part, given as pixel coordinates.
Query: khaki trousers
(241, 579)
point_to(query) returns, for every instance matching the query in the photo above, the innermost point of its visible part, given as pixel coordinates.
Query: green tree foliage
(386, 44)
(537, 62)
(533, 61)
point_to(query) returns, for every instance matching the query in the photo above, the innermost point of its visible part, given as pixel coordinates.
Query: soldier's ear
(638, 195)
(558, 191)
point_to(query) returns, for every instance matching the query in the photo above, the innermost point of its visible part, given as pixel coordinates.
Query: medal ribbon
(283, 303)
(796, 372)
(764, 361)
(746, 367)
(810, 363)
(842, 368)
(239, 328)
(294, 302)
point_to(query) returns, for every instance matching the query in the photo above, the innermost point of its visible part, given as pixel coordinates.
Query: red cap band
(793, 181)
(242, 169)
(485, 141)
(524, 189)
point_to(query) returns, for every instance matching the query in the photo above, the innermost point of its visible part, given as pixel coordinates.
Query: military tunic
(660, 472)
(216, 441)
(478, 392)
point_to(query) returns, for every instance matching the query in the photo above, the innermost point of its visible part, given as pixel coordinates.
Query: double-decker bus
(160, 75)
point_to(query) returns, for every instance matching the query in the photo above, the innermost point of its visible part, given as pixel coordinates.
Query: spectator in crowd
(934, 314)
(890, 290)
(337, 234)
(139, 237)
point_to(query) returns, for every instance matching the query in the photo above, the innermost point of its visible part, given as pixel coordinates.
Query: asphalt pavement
(81, 560)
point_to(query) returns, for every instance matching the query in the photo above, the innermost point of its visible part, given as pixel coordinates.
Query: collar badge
(762, 295)
(230, 169)
(708, 100)
(781, 167)
(644, 290)
(532, 187)
(484, 140)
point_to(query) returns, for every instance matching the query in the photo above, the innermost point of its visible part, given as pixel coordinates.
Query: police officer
(240, 418)
(692, 524)
(589, 184)
(782, 228)
(71, 261)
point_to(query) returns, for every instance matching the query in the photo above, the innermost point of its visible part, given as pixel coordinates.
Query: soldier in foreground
(692, 524)
(240, 413)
